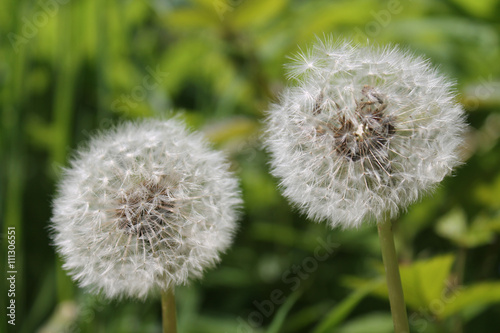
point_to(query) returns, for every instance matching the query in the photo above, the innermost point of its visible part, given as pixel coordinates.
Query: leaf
(453, 226)
(489, 222)
(476, 296)
(279, 318)
(424, 289)
(489, 194)
(423, 281)
(344, 308)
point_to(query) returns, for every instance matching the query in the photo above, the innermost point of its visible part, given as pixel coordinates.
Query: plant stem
(396, 298)
(168, 313)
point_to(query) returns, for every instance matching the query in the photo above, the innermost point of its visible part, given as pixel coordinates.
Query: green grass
(80, 67)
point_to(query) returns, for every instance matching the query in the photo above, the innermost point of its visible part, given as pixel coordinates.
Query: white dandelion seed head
(144, 207)
(363, 133)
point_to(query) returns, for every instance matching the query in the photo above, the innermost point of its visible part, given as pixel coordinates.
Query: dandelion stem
(396, 298)
(168, 313)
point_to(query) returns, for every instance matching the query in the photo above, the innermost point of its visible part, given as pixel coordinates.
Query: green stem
(396, 298)
(168, 313)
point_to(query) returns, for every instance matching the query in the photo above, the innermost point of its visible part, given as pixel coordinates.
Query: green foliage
(428, 289)
(471, 300)
(82, 66)
(374, 323)
(338, 314)
(280, 317)
(454, 227)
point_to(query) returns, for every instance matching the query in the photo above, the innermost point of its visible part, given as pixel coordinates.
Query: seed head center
(364, 133)
(145, 211)
(360, 132)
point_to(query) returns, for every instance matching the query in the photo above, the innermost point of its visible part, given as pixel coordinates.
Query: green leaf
(472, 299)
(489, 193)
(279, 318)
(454, 227)
(423, 281)
(424, 289)
(344, 308)
(488, 222)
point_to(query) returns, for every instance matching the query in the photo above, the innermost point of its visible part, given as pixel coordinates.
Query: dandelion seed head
(363, 132)
(144, 207)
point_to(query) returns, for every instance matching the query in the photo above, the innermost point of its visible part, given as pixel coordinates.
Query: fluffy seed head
(144, 207)
(363, 132)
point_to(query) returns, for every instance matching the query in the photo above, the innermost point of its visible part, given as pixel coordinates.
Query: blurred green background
(70, 68)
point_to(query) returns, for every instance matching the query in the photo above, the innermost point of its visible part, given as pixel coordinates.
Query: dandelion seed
(144, 207)
(363, 133)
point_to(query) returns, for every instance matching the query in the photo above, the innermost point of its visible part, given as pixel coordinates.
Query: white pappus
(363, 132)
(144, 206)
